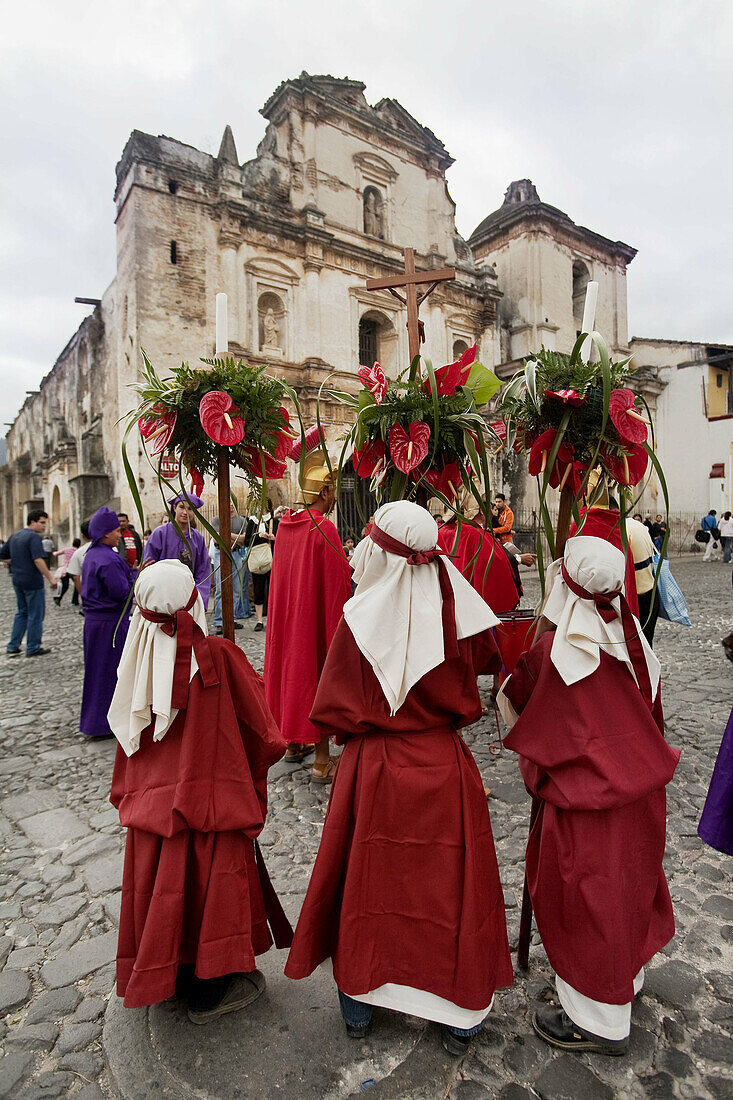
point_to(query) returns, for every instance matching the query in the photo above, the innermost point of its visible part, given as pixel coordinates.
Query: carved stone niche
(375, 178)
(272, 324)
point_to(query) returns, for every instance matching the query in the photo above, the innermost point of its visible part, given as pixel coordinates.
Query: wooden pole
(564, 517)
(413, 323)
(225, 532)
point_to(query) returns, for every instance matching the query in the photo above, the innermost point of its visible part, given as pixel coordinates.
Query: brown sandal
(325, 774)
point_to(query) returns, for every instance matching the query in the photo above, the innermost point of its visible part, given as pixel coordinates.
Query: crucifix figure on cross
(410, 280)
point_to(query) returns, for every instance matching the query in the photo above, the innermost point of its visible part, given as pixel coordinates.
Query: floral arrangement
(571, 417)
(192, 414)
(423, 433)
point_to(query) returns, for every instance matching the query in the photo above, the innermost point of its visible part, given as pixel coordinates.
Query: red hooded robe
(595, 756)
(309, 585)
(484, 564)
(405, 888)
(194, 888)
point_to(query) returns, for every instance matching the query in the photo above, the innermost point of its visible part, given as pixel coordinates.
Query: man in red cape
(588, 728)
(196, 739)
(405, 894)
(309, 585)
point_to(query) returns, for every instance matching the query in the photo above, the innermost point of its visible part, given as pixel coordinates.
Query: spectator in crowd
(642, 551)
(501, 511)
(726, 535)
(106, 586)
(28, 568)
(62, 574)
(130, 546)
(349, 548)
(709, 523)
(47, 544)
(73, 569)
(165, 542)
(261, 532)
(240, 572)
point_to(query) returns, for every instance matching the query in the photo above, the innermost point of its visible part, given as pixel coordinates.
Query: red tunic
(309, 585)
(604, 523)
(405, 887)
(194, 889)
(596, 757)
(484, 564)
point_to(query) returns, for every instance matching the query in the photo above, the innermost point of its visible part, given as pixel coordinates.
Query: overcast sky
(619, 112)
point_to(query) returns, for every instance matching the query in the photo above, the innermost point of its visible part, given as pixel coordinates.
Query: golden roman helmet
(315, 475)
(596, 491)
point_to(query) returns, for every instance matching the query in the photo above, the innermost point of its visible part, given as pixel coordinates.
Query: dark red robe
(596, 757)
(405, 887)
(309, 585)
(484, 564)
(194, 890)
(604, 523)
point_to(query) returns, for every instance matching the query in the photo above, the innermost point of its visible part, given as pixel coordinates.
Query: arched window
(459, 347)
(374, 213)
(368, 341)
(581, 278)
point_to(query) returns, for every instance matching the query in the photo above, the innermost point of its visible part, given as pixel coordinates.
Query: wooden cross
(410, 280)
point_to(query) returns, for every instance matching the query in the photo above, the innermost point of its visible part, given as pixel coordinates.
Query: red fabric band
(189, 636)
(603, 602)
(425, 557)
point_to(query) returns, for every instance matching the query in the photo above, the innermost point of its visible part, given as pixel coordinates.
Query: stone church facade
(335, 192)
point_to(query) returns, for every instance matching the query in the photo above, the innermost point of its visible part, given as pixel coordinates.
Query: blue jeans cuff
(355, 1013)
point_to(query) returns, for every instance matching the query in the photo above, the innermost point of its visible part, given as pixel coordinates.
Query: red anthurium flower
(314, 438)
(540, 453)
(567, 397)
(498, 427)
(369, 458)
(197, 481)
(627, 468)
(453, 375)
(156, 427)
(446, 481)
(285, 436)
(220, 419)
(274, 469)
(375, 381)
(579, 472)
(409, 450)
(629, 423)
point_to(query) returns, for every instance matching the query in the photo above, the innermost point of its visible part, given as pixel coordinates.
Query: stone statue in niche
(270, 333)
(373, 214)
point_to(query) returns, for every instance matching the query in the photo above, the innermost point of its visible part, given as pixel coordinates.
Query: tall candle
(589, 319)
(222, 337)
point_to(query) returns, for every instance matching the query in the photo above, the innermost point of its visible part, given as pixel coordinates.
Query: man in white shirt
(77, 560)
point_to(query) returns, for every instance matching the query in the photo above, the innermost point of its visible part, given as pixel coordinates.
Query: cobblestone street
(59, 902)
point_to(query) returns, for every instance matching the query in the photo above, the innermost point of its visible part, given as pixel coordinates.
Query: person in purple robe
(716, 823)
(105, 589)
(165, 542)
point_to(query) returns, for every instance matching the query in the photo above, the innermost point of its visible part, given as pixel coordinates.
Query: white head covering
(396, 615)
(581, 633)
(145, 673)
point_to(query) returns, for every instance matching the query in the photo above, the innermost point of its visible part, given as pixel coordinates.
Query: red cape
(604, 523)
(595, 755)
(484, 564)
(194, 889)
(405, 887)
(309, 585)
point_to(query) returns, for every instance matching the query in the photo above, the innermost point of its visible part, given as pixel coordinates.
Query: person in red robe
(405, 896)
(309, 584)
(196, 739)
(589, 732)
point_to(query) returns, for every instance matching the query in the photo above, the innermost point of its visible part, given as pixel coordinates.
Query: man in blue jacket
(28, 568)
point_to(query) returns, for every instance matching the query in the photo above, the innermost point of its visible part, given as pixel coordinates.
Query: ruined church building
(337, 189)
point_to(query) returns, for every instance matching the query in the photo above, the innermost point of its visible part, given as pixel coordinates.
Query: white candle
(589, 318)
(222, 337)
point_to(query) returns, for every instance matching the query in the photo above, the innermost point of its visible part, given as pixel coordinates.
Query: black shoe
(238, 626)
(218, 632)
(358, 1032)
(38, 652)
(259, 626)
(554, 1026)
(13, 652)
(243, 990)
(454, 1044)
(57, 601)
